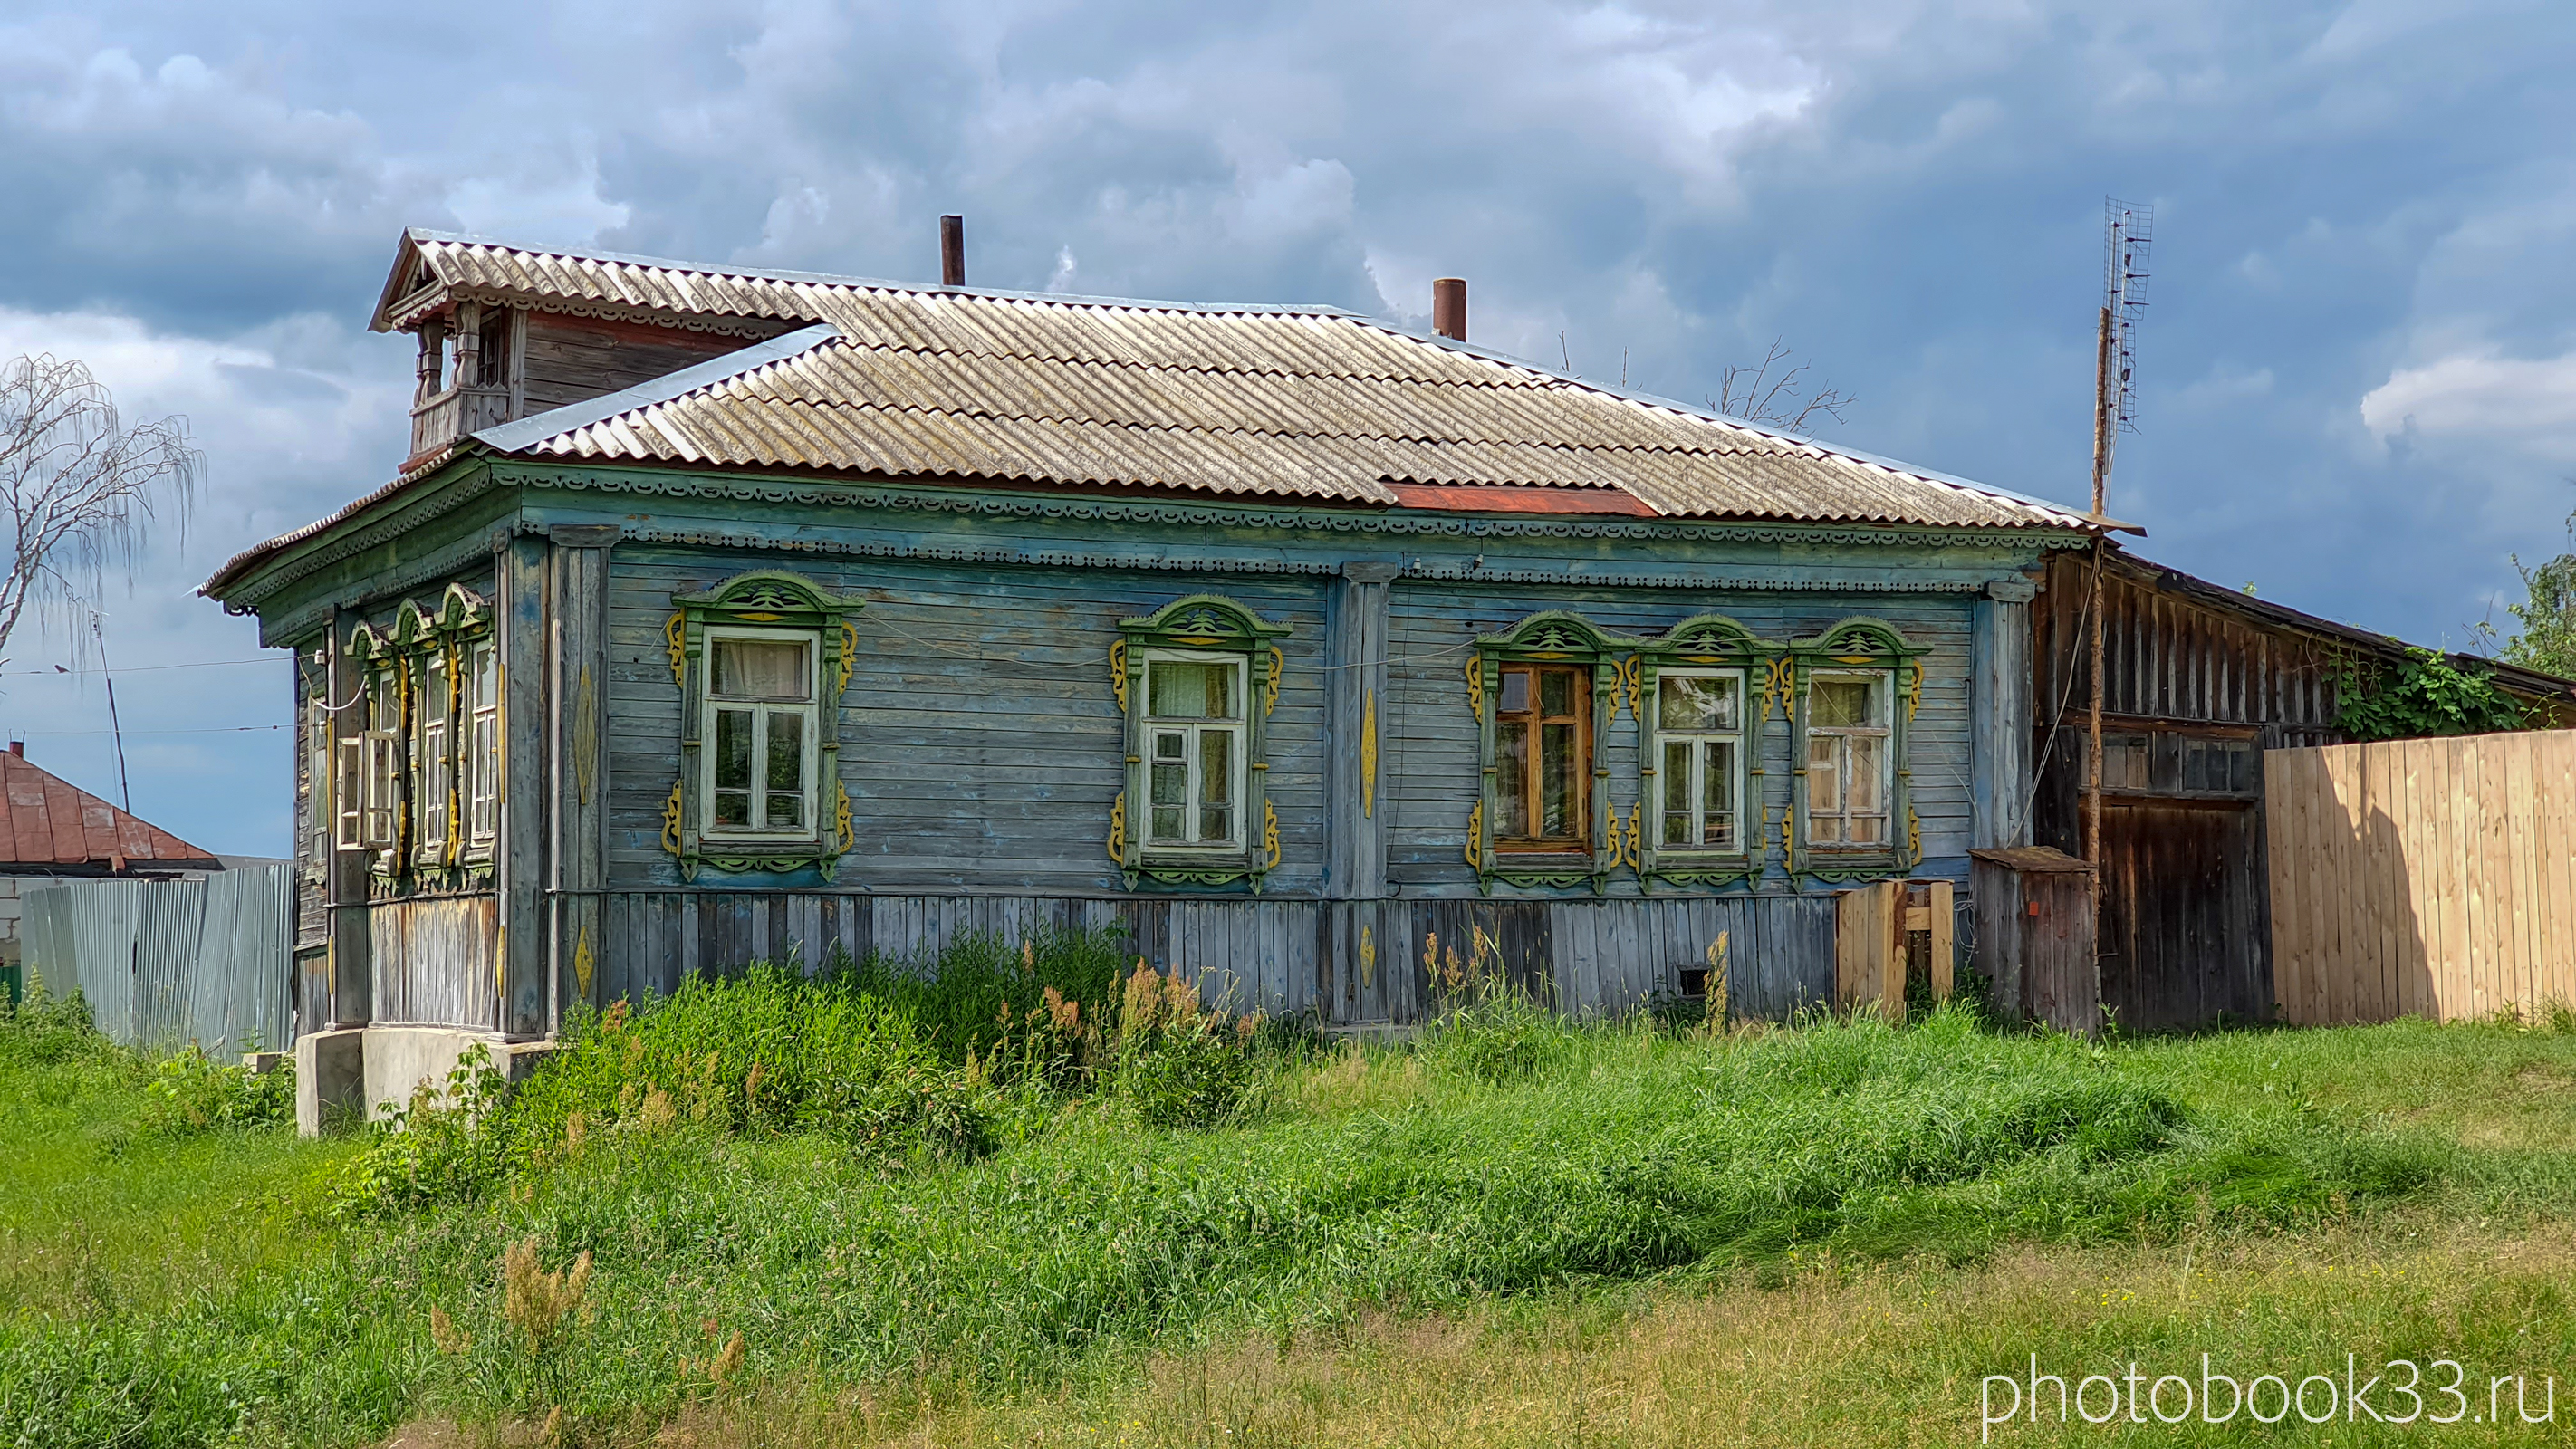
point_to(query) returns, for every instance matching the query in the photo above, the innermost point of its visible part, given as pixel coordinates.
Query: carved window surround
(1200, 628)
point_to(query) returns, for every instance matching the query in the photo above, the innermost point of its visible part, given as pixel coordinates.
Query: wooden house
(723, 614)
(52, 830)
(2198, 681)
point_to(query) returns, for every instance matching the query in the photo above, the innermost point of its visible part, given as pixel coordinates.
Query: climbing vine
(2426, 695)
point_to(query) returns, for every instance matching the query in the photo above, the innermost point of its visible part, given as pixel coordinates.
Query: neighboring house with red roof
(53, 830)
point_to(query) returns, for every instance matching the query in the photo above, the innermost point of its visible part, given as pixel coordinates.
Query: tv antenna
(2128, 235)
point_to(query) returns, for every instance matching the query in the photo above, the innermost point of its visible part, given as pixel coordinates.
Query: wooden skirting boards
(1874, 926)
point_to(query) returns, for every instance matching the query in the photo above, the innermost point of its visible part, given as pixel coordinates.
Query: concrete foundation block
(260, 1064)
(399, 1059)
(330, 1080)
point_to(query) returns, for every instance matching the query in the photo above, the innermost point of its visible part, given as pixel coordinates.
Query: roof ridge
(837, 281)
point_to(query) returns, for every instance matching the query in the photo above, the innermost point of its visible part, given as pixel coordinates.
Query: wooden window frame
(479, 749)
(807, 710)
(395, 763)
(1857, 645)
(1552, 638)
(784, 604)
(1201, 628)
(1194, 732)
(1533, 755)
(1701, 645)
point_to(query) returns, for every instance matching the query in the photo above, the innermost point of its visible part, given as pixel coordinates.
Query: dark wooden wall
(2170, 656)
(571, 359)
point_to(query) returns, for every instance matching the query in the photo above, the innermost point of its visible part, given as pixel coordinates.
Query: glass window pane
(1839, 703)
(1516, 691)
(1556, 691)
(760, 669)
(1511, 780)
(1717, 796)
(1689, 703)
(1677, 775)
(1178, 689)
(1867, 785)
(733, 808)
(733, 749)
(1868, 830)
(1171, 783)
(1825, 829)
(1216, 766)
(1559, 791)
(786, 751)
(786, 811)
(1824, 776)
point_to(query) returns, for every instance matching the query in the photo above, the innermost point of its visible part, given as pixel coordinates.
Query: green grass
(1506, 1191)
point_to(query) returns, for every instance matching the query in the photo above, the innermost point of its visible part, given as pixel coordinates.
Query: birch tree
(81, 487)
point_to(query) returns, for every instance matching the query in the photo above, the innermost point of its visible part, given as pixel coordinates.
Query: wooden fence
(2428, 878)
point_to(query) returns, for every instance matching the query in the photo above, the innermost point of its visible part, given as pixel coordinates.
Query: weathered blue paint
(982, 746)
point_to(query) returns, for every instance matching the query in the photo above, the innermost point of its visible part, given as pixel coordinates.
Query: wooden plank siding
(2424, 877)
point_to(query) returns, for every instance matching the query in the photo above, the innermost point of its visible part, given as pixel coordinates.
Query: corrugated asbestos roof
(47, 822)
(1286, 403)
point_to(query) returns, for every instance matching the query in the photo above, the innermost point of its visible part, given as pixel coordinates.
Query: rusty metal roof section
(48, 824)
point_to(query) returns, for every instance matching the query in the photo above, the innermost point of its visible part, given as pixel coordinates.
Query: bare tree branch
(1756, 396)
(79, 487)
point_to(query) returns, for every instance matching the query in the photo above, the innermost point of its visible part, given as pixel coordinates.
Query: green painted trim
(1859, 642)
(766, 599)
(1703, 641)
(1204, 624)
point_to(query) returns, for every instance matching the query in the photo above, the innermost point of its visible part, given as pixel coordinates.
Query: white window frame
(810, 710)
(1884, 731)
(433, 755)
(385, 759)
(1666, 736)
(321, 822)
(1194, 731)
(479, 751)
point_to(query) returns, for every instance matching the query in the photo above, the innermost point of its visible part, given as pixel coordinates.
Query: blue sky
(2358, 374)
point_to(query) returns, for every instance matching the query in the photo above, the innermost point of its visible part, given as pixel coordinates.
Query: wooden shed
(2199, 681)
(2034, 943)
(722, 614)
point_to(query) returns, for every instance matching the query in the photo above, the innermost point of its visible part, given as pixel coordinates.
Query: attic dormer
(506, 333)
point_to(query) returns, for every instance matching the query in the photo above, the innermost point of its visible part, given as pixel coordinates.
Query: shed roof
(1241, 401)
(48, 823)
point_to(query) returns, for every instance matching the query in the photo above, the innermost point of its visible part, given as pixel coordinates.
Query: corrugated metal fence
(167, 962)
(2423, 877)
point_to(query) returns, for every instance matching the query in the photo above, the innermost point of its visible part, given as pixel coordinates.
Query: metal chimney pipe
(1449, 307)
(952, 251)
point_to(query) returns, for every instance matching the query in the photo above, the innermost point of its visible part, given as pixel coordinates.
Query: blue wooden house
(721, 614)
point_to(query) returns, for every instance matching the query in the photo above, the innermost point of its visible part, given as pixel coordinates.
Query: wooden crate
(2036, 936)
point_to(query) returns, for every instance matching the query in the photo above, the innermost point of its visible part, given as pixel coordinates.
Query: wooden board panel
(2424, 877)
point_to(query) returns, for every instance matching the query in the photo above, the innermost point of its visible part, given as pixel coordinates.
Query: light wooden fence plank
(2423, 877)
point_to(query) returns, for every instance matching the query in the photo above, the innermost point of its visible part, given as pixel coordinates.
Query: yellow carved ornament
(841, 815)
(1776, 685)
(675, 642)
(1269, 836)
(1475, 836)
(1118, 828)
(581, 962)
(1913, 690)
(1368, 753)
(671, 820)
(849, 652)
(1118, 671)
(1368, 957)
(1476, 686)
(1278, 667)
(1631, 674)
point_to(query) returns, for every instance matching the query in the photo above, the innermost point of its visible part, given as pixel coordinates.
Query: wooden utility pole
(2103, 422)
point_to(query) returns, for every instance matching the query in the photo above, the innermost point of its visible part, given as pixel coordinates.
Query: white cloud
(2527, 402)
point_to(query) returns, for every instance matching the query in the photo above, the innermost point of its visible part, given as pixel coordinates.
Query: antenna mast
(2128, 232)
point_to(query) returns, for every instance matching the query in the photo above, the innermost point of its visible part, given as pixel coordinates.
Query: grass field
(1513, 1232)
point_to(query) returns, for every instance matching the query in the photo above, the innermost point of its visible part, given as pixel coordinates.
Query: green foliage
(967, 997)
(191, 1093)
(1385, 1179)
(762, 1053)
(2427, 695)
(43, 1029)
(2546, 640)
(1180, 1065)
(442, 1145)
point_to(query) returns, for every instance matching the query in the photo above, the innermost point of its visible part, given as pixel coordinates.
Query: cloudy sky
(2358, 374)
